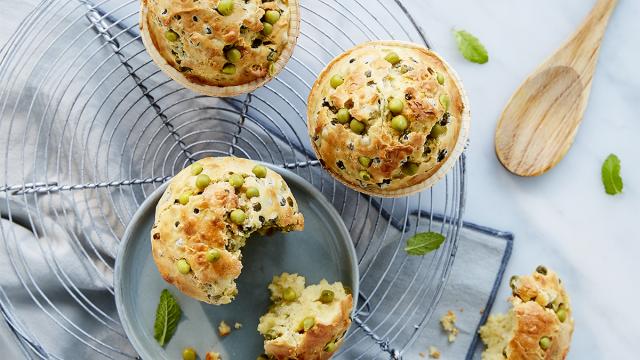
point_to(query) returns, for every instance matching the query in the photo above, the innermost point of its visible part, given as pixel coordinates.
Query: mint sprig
(611, 178)
(470, 47)
(423, 243)
(167, 317)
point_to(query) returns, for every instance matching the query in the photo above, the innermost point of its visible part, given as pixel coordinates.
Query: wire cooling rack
(90, 127)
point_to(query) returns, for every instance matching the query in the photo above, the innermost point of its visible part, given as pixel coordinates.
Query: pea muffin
(205, 216)
(538, 326)
(220, 47)
(305, 323)
(388, 118)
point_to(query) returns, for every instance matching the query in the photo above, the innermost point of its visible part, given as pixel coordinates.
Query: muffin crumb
(237, 325)
(212, 356)
(434, 353)
(224, 329)
(448, 322)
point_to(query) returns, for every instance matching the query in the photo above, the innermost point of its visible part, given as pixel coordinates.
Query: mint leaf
(470, 47)
(611, 175)
(422, 243)
(167, 317)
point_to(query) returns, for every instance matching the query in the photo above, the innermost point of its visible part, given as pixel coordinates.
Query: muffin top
(386, 116)
(205, 216)
(220, 42)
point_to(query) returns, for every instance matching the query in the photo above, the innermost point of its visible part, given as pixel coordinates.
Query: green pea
(267, 29)
(252, 192)
(330, 347)
(356, 126)
(399, 123)
(238, 216)
(184, 198)
(440, 78)
(396, 105)
(171, 35)
(236, 180)
(212, 255)
(438, 130)
(562, 314)
(271, 16)
(189, 354)
(289, 294)
(326, 296)
(225, 7)
(183, 266)
(393, 58)
(229, 69)
(410, 168)
(202, 181)
(444, 101)
(336, 80)
(196, 169)
(343, 116)
(364, 175)
(307, 323)
(259, 171)
(233, 55)
(541, 269)
(545, 342)
(364, 161)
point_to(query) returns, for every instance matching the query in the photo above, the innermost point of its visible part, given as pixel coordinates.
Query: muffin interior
(297, 310)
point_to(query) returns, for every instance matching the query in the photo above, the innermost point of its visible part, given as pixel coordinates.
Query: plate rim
(152, 199)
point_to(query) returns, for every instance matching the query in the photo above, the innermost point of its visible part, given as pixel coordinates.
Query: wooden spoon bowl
(540, 121)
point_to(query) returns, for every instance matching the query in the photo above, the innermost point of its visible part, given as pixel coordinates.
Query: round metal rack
(90, 127)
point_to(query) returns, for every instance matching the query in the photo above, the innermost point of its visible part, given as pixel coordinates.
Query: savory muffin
(305, 323)
(205, 216)
(220, 47)
(538, 326)
(388, 118)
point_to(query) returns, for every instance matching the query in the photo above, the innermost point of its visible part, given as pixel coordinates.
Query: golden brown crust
(314, 341)
(539, 302)
(197, 56)
(370, 82)
(188, 231)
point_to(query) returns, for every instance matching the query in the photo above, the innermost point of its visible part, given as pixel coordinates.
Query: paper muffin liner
(442, 168)
(223, 91)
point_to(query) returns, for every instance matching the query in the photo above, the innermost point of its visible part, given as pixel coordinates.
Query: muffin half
(538, 326)
(306, 323)
(205, 216)
(388, 118)
(220, 47)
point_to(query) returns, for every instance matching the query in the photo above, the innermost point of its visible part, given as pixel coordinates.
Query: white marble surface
(562, 219)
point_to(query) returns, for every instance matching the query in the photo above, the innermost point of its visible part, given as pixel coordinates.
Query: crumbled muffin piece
(448, 322)
(224, 329)
(237, 325)
(305, 322)
(434, 353)
(539, 326)
(213, 356)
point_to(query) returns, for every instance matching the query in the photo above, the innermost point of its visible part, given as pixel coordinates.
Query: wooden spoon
(539, 123)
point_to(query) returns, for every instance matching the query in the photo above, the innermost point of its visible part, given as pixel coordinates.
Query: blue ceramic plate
(323, 250)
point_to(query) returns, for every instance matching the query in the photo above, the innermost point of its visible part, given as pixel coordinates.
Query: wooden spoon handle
(581, 50)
